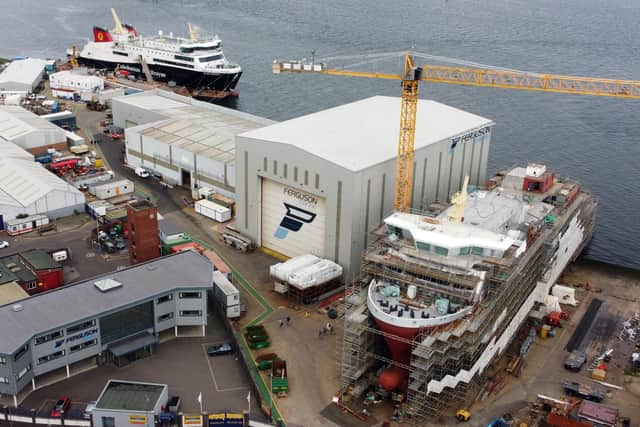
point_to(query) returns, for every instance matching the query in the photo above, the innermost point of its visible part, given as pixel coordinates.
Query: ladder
(145, 69)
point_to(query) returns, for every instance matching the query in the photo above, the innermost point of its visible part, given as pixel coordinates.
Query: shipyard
(170, 255)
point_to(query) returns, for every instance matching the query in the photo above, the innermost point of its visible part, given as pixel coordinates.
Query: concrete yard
(544, 371)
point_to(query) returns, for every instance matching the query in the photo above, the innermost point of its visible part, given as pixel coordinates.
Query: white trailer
(226, 294)
(213, 210)
(112, 189)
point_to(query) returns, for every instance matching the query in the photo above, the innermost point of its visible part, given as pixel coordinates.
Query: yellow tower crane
(472, 75)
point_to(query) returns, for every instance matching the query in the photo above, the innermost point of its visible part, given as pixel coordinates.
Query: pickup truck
(583, 391)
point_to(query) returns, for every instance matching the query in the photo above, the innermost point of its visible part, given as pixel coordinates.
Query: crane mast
(406, 140)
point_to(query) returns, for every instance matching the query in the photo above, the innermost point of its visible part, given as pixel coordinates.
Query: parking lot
(180, 363)
(73, 233)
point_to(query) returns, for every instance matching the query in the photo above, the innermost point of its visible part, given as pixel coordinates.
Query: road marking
(213, 377)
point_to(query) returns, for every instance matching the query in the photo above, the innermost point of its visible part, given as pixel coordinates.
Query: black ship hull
(190, 79)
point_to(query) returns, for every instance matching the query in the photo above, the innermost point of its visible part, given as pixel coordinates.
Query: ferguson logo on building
(295, 216)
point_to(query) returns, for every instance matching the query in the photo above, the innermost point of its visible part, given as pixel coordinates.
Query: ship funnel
(118, 29)
(459, 200)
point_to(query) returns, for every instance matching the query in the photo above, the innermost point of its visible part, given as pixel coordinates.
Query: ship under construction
(444, 291)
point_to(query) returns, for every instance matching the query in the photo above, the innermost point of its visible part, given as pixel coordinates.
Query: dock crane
(470, 74)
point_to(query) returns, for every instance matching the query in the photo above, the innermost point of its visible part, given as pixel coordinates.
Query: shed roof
(82, 300)
(129, 395)
(23, 182)
(206, 133)
(10, 150)
(26, 71)
(364, 133)
(39, 259)
(16, 122)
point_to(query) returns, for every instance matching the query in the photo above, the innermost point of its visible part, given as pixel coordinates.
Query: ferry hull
(161, 73)
(395, 377)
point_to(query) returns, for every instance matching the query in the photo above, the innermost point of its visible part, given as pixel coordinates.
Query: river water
(593, 140)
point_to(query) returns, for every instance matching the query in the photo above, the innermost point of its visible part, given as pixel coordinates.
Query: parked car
(91, 405)
(220, 349)
(120, 245)
(4, 244)
(142, 172)
(61, 406)
(575, 360)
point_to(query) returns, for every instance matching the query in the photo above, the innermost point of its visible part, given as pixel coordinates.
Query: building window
(50, 357)
(190, 313)
(31, 286)
(190, 295)
(81, 326)
(49, 337)
(83, 345)
(23, 372)
(265, 165)
(165, 298)
(423, 246)
(3, 360)
(284, 171)
(108, 422)
(476, 250)
(4, 380)
(441, 251)
(21, 352)
(295, 174)
(275, 167)
(306, 177)
(164, 317)
(465, 251)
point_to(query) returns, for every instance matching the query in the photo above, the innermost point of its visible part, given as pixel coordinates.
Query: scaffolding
(440, 354)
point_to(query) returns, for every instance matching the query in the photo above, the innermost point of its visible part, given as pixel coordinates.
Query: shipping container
(226, 294)
(26, 224)
(212, 210)
(112, 189)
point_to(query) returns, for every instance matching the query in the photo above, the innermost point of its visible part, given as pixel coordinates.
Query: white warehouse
(190, 143)
(30, 131)
(22, 76)
(320, 183)
(26, 187)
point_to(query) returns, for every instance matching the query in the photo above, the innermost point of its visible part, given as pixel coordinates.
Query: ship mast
(459, 200)
(118, 29)
(193, 34)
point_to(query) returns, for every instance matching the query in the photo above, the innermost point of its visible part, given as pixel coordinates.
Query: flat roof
(364, 133)
(10, 292)
(172, 105)
(39, 259)
(26, 71)
(76, 302)
(169, 227)
(130, 396)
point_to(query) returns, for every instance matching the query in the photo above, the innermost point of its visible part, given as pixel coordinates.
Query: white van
(142, 173)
